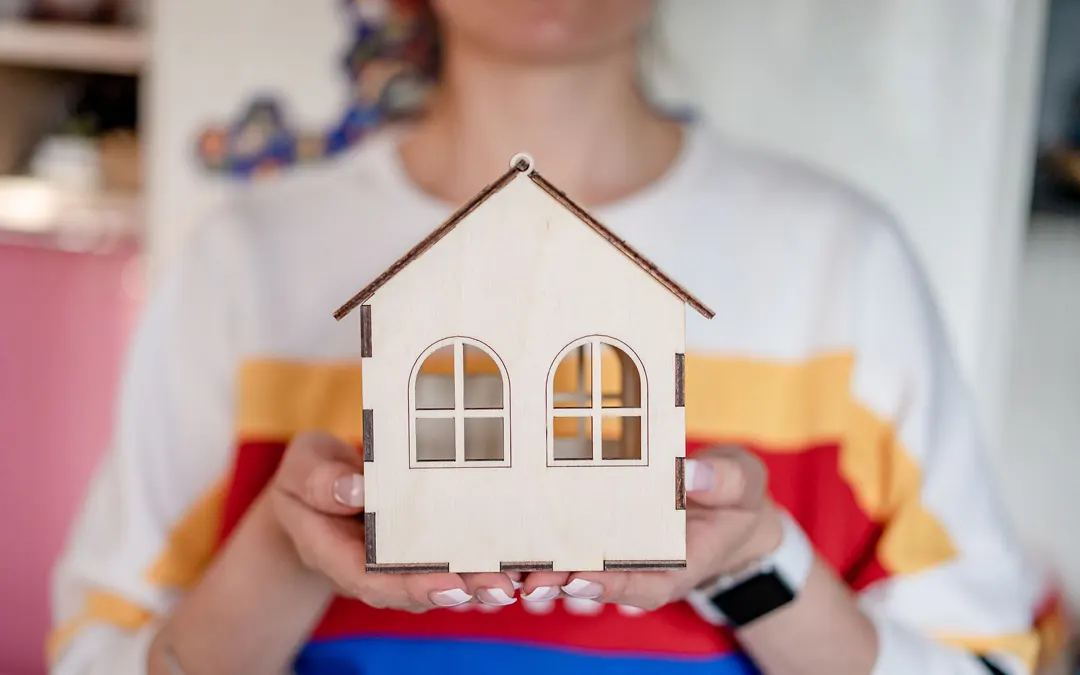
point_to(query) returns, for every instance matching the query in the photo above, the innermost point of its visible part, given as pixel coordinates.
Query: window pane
(484, 439)
(435, 381)
(572, 382)
(483, 381)
(572, 438)
(622, 438)
(620, 381)
(435, 439)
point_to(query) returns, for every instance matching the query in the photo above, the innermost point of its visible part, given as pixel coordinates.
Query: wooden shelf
(73, 47)
(33, 211)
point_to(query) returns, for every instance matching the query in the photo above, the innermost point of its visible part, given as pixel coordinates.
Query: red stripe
(253, 467)
(806, 483)
(674, 629)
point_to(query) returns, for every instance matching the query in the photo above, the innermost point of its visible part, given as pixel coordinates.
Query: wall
(1044, 398)
(907, 98)
(245, 48)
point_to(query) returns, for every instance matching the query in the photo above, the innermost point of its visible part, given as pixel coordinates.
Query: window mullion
(597, 404)
(459, 401)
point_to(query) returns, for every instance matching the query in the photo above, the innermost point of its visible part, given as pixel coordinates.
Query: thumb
(324, 473)
(727, 477)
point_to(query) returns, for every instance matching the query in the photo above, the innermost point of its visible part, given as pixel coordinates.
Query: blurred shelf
(1056, 189)
(98, 49)
(33, 212)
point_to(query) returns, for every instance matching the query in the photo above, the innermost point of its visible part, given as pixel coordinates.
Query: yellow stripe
(779, 407)
(791, 407)
(1024, 646)
(279, 399)
(190, 546)
(101, 608)
(187, 554)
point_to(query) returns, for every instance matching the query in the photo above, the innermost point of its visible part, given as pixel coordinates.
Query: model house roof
(521, 164)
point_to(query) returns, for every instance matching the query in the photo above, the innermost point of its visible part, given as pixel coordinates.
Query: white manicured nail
(699, 476)
(496, 597)
(517, 585)
(541, 594)
(580, 588)
(450, 598)
(349, 490)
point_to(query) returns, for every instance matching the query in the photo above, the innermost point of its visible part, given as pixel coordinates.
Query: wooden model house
(523, 392)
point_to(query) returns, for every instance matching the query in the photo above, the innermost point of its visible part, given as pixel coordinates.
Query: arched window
(597, 403)
(459, 407)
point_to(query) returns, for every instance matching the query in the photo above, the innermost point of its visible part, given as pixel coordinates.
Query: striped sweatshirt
(827, 358)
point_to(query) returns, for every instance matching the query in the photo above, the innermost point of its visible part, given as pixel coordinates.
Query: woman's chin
(549, 31)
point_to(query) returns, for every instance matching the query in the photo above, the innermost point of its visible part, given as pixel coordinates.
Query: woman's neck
(587, 126)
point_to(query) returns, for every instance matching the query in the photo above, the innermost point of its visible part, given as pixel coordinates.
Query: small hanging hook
(522, 161)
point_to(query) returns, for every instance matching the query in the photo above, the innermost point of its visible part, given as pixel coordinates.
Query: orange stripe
(190, 546)
(788, 407)
(278, 399)
(1024, 646)
(441, 362)
(188, 552)
(779, 406)
(101, 607)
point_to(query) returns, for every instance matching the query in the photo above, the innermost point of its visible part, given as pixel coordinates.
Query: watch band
(770, 583)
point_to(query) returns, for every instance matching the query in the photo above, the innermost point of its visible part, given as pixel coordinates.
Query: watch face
(753, 598)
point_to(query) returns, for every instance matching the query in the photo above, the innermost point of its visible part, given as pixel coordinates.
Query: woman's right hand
(315, 497)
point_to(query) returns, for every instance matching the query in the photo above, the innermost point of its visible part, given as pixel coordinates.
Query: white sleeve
(961, 599)
(129, 554)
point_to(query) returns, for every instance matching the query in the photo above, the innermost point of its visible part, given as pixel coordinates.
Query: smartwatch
(770, 583)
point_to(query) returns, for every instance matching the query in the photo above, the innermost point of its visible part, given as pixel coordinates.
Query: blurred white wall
(1043, 426)
(927, 105)
(210, 57)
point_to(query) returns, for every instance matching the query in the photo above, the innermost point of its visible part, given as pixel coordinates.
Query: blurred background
(117, 134)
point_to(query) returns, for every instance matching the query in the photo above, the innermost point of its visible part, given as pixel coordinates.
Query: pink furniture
(64, 322)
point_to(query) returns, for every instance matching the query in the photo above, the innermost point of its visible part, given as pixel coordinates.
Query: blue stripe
(397, 656)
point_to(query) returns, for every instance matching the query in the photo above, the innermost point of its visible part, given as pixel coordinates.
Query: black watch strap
(753, 598)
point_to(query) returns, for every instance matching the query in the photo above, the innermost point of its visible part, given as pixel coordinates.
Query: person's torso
(766, 245)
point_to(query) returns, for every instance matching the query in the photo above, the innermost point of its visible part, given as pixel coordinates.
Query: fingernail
(541, 594)
(496, 597)
(450, 598)
(586, 590)
(699, 476)
(349, 490)
(517, 585)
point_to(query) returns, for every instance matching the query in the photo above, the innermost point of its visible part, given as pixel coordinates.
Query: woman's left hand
(730, 523)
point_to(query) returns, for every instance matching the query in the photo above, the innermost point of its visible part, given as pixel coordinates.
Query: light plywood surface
(526, 278)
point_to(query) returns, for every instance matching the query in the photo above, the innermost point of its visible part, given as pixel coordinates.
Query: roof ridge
(427, 242)
(521, 163)
(623, 247)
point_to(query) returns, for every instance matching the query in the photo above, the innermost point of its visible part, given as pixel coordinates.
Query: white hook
(518, 159)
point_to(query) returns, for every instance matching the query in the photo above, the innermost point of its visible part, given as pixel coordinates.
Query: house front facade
(522, 399)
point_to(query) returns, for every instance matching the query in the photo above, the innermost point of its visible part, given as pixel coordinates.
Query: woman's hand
(730, 523)
(315, 497)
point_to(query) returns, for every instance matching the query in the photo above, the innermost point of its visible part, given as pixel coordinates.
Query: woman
(831, 440)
